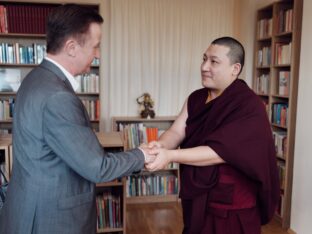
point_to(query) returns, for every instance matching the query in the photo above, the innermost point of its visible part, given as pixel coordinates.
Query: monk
(228, 169)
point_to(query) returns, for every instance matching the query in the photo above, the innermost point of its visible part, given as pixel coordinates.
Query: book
(284, 80)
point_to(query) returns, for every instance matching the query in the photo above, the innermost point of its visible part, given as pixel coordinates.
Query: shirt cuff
(145, 156)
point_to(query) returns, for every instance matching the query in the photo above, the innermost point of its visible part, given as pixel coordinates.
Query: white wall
(302, 185)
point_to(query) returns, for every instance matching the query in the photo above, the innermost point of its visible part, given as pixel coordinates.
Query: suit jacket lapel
(59, 74)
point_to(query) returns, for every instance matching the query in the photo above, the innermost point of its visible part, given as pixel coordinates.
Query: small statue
(146, 103)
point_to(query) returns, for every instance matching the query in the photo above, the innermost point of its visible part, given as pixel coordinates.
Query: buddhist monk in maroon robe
(228, 169)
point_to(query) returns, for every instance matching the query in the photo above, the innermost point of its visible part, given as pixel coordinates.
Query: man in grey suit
(57, 157)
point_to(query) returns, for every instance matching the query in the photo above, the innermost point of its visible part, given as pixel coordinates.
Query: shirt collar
(69, 76)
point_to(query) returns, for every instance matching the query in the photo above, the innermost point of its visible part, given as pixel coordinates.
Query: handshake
(156, 156)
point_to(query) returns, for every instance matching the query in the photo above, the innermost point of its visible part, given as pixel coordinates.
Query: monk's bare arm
(197, 156)
(172, 138)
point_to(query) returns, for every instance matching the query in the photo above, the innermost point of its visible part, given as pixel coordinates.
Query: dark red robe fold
(235, 125)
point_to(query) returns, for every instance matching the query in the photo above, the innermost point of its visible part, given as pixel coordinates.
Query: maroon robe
(235, 125)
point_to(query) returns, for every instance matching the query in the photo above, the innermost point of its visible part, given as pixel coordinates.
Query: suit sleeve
(67, 132)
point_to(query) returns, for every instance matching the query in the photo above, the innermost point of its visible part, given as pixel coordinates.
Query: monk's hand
(154, 144)
(161, 161)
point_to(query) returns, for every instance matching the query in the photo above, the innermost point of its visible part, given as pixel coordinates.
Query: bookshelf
(275, 80)
(147, 187)
(111, 197)
(22, 47)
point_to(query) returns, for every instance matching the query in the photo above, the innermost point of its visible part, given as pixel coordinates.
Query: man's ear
(236, 69)
(70, 47)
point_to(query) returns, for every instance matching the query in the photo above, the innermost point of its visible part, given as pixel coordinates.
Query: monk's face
(217, 70)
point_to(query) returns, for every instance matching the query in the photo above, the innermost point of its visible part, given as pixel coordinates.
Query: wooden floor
(166, 218)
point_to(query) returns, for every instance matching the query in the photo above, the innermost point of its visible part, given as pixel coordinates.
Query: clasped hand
(157, 157)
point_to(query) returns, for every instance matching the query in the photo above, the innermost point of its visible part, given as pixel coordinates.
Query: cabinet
(161, 186)
(22, 47)
(275, 80)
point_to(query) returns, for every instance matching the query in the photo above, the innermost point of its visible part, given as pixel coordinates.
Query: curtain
(156, 46)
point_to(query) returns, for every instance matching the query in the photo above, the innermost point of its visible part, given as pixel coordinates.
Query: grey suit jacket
(57, 160)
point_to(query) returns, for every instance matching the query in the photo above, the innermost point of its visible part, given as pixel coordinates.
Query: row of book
(280, 140)
(6, 109)
(92, 107)
(135, 134)
(285, 18)
(264, 28)
(24, 18)
(89, 83)
(284, 24)
(151, 184)
(5, 131)
(279, 114)
(281, 172)
(262, 84)
(280, 208)
(109, 211)
(283, 53)
(16, 53)
(264, 56)
(284, 83)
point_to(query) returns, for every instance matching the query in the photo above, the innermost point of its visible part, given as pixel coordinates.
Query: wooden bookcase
(22, 47)
(275, 80)
(147, 187)
(112, 142)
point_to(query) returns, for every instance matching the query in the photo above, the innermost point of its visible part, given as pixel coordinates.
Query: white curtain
(156, 46)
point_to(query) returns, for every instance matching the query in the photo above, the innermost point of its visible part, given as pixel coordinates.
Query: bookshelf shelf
(109, 230)
(283, 34)
(265, 38)
(22, 35)
(142, 188)
(17, 65)
(281, 53)
(151, 199)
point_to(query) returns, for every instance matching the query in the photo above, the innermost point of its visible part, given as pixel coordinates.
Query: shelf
(152, 199)
(18, 65)
(88, 94)
(111, 139)
(7, 93)
(110, 184)
(263, 95)
(138, 119)
(283, 34)
(9, 121)
(280, 96)
(282, 65)
(22, 35)
(109, 230)
(268, 38)
(279, 126)
(263, 67)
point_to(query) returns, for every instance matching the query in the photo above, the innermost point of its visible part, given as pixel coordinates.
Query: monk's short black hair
(237, 51)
